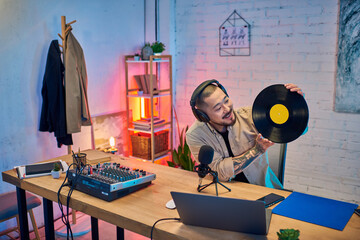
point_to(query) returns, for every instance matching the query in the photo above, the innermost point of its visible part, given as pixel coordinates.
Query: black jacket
(53, 118)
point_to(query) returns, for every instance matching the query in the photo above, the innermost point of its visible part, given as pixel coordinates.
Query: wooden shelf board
(156, 158)
(148, 95)
(159, 129)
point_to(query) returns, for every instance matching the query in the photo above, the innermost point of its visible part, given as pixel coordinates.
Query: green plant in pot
(181, 157)
(288, 234)
(136, 56)
(158, 47)
(56, 172)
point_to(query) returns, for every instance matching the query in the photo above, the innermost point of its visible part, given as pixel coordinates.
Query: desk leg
(49, 219)
(94, 228)
(21, 201)
(120, 235)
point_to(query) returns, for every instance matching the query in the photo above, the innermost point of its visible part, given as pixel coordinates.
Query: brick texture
(291, 42)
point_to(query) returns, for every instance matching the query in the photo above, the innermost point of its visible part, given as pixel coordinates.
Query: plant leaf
(182, 138)
(187, 149)
(175, 157)
(180, 150)
(183, 162)
(170, 164)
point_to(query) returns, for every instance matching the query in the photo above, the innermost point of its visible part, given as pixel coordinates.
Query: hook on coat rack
(65, 29)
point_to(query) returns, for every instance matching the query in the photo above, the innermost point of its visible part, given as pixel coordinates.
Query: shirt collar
(214, 131)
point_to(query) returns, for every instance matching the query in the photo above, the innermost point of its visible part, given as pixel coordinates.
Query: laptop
(223, 213)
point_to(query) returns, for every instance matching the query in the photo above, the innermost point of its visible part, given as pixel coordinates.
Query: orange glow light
(142, 107)
(112, 142)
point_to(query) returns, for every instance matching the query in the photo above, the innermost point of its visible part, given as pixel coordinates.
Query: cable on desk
(153, 227)
(65, 218)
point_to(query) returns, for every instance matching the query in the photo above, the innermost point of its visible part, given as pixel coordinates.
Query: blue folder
(317, 210)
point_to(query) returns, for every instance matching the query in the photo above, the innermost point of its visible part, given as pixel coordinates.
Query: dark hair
(210, 89)
(198, 96)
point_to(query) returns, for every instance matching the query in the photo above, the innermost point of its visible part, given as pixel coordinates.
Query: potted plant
(158, 47)
(56, 172)
(137, 57)
(182, 156)
(288, 234)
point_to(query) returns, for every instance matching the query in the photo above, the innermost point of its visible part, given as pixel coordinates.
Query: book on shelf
(149, 118)
(143, 82)
(148, 123)
(144, 124)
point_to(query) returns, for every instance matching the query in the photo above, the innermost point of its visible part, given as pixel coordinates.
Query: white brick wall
(292, 41)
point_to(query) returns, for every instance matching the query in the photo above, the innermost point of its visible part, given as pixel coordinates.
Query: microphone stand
(215, 181)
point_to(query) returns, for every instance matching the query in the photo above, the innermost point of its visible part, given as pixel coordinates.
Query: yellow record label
(279, 114)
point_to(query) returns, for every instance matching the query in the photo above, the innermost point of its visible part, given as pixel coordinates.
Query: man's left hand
(263, 143)
(294, 88)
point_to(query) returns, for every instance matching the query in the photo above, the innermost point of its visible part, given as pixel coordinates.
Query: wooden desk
(138, 211)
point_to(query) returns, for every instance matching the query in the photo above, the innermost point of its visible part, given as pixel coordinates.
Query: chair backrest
(277, 157)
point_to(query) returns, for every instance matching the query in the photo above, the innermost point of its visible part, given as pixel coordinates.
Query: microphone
(205, 157)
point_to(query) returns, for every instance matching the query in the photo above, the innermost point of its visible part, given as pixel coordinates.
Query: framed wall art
(348, 58)
(234, 36)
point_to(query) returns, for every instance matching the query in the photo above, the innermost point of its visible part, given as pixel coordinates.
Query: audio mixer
(109, 181)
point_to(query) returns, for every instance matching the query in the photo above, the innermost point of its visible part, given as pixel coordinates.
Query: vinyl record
(279, 114)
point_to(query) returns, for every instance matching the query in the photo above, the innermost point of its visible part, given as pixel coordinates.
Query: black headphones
(200, 115)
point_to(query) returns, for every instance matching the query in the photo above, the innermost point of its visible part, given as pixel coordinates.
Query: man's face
(219, 108)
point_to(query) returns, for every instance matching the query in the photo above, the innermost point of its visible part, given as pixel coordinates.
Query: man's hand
(294, 88)
(263, 143)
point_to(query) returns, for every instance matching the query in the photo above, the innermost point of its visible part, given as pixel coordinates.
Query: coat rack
(65, 28)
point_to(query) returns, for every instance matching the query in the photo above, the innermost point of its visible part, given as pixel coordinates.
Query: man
(238, 147)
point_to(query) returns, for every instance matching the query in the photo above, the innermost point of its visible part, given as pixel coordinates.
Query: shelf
(151, 107)
(159, 129)
(158, 156)
(146, 61)
(149, 95)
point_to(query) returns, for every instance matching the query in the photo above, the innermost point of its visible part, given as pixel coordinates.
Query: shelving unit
(160, 95)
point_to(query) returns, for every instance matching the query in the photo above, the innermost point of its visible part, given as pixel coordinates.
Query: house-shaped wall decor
(234, 36)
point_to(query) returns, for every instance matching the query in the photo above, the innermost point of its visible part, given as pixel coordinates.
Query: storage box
(141, 144)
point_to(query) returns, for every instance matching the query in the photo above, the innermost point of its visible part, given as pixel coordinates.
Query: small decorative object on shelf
(288, 234)
(158, 48)
(146, 52)
(137, 57)
(56, 172)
